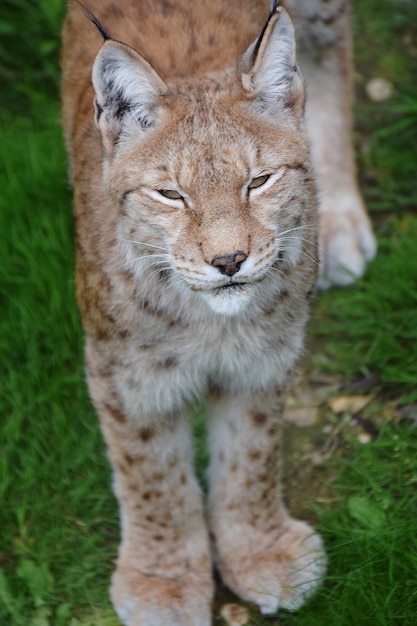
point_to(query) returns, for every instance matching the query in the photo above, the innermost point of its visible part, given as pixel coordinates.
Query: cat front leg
(163, 575)
(347, 242)
(263, 554)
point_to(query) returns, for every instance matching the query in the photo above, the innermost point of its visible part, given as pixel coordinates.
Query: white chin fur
(227, 302)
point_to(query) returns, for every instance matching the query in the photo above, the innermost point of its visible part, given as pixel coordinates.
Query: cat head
(211, 176)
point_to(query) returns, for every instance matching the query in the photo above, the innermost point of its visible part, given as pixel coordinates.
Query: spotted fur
(197, 255)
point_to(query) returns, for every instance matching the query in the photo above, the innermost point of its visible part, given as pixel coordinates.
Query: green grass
(386, 47)
(372, 328)
(58, 519)
(56, 524)
(370, 536)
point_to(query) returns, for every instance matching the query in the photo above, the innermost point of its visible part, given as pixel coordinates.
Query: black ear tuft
(272, 12)
(103, 32)
(268, 67)
(274, 7)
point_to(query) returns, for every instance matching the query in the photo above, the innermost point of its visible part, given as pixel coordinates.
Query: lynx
(196, 203)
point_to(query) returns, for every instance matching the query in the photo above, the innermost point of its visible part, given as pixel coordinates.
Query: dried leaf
(234, 614)
(352, 404)
(302, 416)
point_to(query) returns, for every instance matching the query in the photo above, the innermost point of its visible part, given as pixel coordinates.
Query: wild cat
(196, 211)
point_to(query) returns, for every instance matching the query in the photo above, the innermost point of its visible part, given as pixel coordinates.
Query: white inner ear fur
(126, 89)
(274, 77)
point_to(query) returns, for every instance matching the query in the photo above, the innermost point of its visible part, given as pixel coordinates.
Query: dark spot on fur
(215, 390)
(270, 310)
(272, 430)
(115, 413)
(169, 362)
(146, 346)
(310, 294)
(158, 537)
(157, 477)
(123, 333)
(298, 221)
(254, 455)
(102, 333)
(264, 478)
(259, 418)
(147, 495)
(183, 479)
(146, 434)
(153, 310)
(167, 7)
(130, 460)
(267, 493)
(122, 469)
(103, 371)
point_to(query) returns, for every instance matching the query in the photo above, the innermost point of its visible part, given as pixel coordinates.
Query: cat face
(211, 176)
(214, 195)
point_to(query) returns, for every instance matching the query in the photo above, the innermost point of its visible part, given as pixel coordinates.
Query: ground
(351, 462)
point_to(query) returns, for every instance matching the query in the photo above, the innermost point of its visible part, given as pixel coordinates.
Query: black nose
(229, 264)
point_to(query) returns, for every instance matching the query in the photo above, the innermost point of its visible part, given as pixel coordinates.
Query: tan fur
(162, 323)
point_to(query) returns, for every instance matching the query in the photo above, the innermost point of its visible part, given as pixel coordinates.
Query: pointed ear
(268, 68)
(127, 89)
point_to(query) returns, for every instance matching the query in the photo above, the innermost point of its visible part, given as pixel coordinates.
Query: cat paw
(347, 243)
(283, 575)
(141, 599)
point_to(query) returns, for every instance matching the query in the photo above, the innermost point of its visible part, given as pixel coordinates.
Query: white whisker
(145, 245)
(158, 258)
(291, 230)
(308, 256)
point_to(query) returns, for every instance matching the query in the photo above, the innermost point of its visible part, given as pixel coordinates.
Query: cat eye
(258, 181)
(171, 194)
